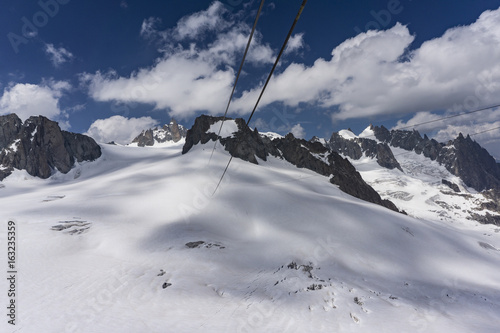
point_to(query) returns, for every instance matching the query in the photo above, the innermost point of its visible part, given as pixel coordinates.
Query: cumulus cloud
(298, 131)
(27, 100)
(180, 84)
(119, 129)
(295, 43)
(58, 56)
(375, 73)
(190, 27)
(193, 75)
(194, 25)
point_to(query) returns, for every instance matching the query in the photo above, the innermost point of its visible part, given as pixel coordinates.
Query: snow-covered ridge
(272, 135)
(419, 190)
(347, 134)
(414, 173)
(366, 133)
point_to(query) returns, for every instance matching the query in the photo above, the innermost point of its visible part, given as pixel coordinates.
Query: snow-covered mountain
(139, 242)
(454, 181)
(160, 136)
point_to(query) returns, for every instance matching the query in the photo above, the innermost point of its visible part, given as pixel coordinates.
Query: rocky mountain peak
(463, 157)
(357, 147)
(168, 132)
(40, 147)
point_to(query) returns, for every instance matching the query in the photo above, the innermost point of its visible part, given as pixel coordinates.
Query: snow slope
(418, 189)
(103, 249)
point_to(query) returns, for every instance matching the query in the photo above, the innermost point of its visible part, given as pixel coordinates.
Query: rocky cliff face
(356, 148)
(249, 145)
(40, 147)
(169, 132)
(463, 157)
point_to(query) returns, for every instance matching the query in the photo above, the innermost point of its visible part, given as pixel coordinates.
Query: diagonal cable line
(267, 81)
(278, 58)
(238, 75)
(443, 118)
(449, 117)
(485, 131)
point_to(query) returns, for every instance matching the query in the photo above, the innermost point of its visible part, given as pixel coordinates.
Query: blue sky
(112, 68)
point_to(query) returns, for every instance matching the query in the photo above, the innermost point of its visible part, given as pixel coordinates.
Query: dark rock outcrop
(486, 219)
(10, 125)
(245, 144)
(466, 159)
(199, 132)
(145, 138)
(40, 147)
(462, 157)
(248, 145)
(451, 185)
(169, 132)
(356, 147)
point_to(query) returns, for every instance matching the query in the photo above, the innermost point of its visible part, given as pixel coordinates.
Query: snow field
(283, 251)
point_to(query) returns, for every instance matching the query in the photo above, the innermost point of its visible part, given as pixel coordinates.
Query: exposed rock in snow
(463, 157)
(356, 147)
(40, 147)
(250, 145)
(172, 132)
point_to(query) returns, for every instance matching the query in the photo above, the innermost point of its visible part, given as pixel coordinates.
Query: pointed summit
(172, 132)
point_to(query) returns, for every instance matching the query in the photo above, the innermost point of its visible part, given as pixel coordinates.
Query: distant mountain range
(306, 236)
(463, 157)
(457, 180)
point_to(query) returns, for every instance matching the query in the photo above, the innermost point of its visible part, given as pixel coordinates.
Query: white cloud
(422, 121)
(192, 75)
(119, 129)
(149, 27)
(27, 100)
(194, 25)
(295, 43)
(374, 73)
(298, 131)
(179, 83)
(190, 27)
(75, 108)
(57, 56)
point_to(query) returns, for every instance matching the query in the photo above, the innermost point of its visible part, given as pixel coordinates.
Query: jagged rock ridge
(169, 132)
(356, 147)
(463, 157)
(248, 145)
(40, 147)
